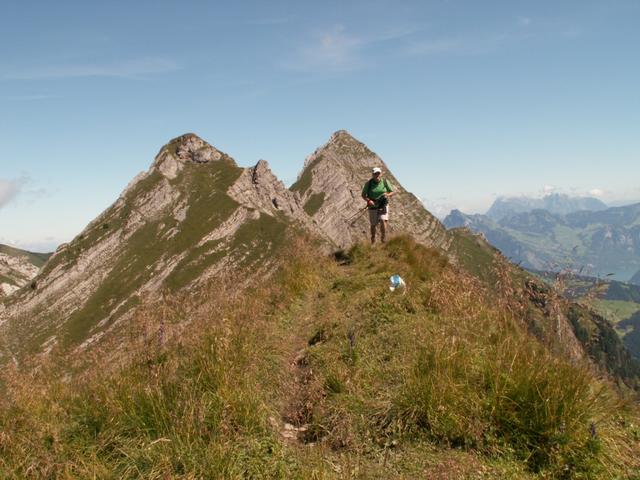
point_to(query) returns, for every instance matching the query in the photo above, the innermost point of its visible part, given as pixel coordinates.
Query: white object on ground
(395, 282)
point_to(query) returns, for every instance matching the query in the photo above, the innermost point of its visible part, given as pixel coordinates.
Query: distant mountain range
(556, 203)
(601, 242)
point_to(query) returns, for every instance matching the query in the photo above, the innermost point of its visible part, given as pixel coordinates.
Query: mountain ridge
(330, 187)
(172, 225)
(191, 216)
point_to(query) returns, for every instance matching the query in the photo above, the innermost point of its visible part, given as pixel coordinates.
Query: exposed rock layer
(330, 187)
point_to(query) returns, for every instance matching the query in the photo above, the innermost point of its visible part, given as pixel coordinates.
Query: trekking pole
(358, 213)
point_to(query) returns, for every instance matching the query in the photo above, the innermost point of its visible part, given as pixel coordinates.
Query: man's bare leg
(383, 230)
(373, 234)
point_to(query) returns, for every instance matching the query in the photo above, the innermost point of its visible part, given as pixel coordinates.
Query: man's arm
(389, 193)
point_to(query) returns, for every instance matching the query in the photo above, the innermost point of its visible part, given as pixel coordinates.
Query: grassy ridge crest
(322, 372)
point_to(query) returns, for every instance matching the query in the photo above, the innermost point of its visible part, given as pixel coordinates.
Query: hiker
(376, 192)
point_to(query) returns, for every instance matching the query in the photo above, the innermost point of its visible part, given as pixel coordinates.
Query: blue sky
(464, 100)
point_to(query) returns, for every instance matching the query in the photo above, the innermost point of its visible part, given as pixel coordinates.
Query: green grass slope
(322, 372)
(544, 310)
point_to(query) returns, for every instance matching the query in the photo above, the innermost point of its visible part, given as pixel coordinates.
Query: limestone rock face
(259, 188)
(190, 147)
(330, 186)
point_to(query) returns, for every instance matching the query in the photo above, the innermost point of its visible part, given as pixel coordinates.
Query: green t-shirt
(375, 190)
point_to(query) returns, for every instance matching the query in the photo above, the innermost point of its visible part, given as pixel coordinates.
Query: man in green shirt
(376, 193)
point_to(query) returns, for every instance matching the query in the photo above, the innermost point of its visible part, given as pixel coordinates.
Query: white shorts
(375, 216)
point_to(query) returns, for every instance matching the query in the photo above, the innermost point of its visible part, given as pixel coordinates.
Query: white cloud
(523, 21)
(8, 191)
(441, 207)
(333, 50)
(128, 69)
(337, 50)
(597, 192)
(548, 189)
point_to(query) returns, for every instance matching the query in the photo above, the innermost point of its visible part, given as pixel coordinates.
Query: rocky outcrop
(330, 187)
(259, 188)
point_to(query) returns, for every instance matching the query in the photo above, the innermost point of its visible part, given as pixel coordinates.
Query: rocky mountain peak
(191, 148)
(342, 137)
(456, 219)
(187, 148)
(330, 187)
(345, 151)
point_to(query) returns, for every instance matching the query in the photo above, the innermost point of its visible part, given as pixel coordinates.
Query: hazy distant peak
(556, 203)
